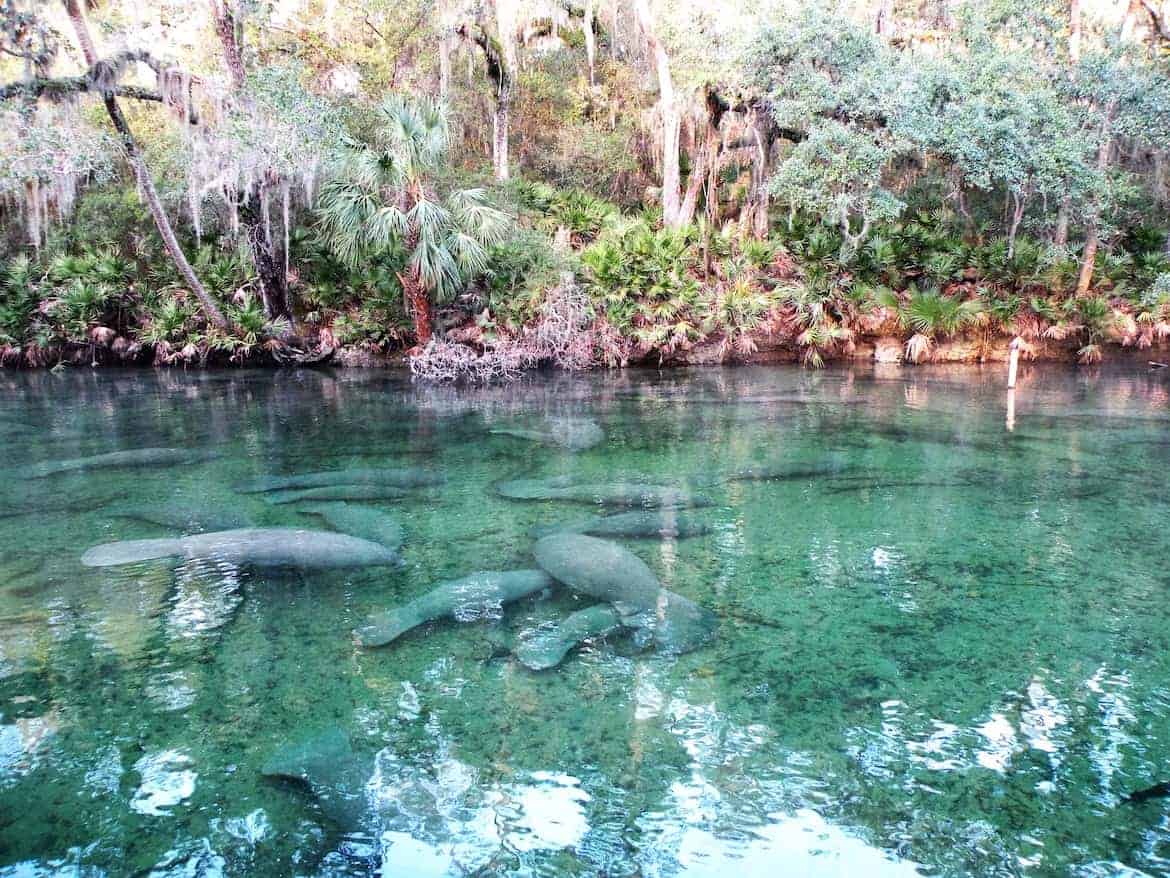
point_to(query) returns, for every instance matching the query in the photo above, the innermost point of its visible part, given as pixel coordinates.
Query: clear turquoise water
(948, 654)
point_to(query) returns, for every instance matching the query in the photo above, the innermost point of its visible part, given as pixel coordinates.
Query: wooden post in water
(1013, 366)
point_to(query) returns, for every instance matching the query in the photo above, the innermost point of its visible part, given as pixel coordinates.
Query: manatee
(405, 477)
(186, 516)
(770, 473)
(457, 598)
(362, 521)
(547, 646)
(338, 493)
(666, 523)
(325, 764)
(602, 494)
(575, 434)
(1157, 791)
(257, 547)
(608, 572)
(131, 458)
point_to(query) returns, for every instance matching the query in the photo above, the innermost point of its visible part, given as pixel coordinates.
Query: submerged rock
(547, 646)
(608, 572)
(132, 458)
(401, 477)
(258, 547)
(665, 523)
(337, 493)
(460, 599)
(575, 434)
(325, 764)
(602, 494)
(362, 521)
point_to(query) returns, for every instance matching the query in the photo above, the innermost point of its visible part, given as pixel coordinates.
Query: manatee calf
(362, 521)
(402, 477)
(115, 459)
(338, 493)
(326, 765)
(665, 523)
(257, 547)
(608, 572)
(461, 597)
(601, 494)
(575, 434)
(547, 646)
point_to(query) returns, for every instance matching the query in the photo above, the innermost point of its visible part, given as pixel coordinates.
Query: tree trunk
(690, 200)
(268, 262)
(500, 135)
(756, 220)
(226, 28)
(445, 49)
(265, 258)
(420, 307)
(671, 123)
(1092, 235)
(884, 23)
(1060, 238)
(1074, 31)
(142, 175)
(590, 42)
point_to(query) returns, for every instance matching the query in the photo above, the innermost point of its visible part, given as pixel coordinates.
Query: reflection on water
(943, 648)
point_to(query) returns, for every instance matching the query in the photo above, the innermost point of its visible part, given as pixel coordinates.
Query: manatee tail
(130, 552)
(387, 627)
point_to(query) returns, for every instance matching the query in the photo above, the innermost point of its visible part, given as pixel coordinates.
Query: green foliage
(382, 202)
(637, 272)
(19, 297)
(930, 313)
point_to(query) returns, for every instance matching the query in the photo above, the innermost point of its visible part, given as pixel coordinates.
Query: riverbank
(764, 349)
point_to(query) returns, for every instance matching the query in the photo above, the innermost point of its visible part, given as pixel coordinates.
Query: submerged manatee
(468, 595)
(362, 521)
(115, 459)
(575, 434)
(783, 473)
(184, 515)
(402, 477)
(665, 523)
(325, 763)
(257, 546)
(547, 646)
(608, 572)
(602, 494)
(338, 493)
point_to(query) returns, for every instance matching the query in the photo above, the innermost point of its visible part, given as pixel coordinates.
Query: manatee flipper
(325, 763)
(131, 552)
(468, 595)
(547, 646)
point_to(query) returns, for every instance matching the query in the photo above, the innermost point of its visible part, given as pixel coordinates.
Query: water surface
(943, 646)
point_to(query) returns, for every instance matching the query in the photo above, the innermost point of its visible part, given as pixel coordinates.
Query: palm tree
(382, 204)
